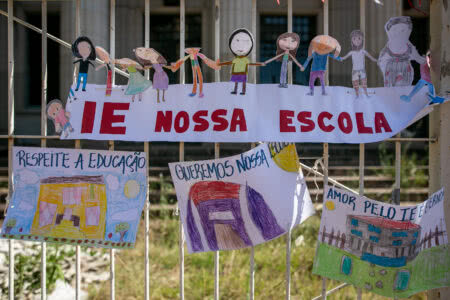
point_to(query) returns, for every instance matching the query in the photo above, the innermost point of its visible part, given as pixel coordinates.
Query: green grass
(270, 266)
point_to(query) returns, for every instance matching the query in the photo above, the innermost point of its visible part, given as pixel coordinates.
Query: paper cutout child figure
(287, 46)
(59, 116)
(395, 58)
(319, 50)
(193, 54)
(425, 79)
(104, 55)
(241, 45)
(358, 55)
(149, 57)
(137, 83)
(84, 52)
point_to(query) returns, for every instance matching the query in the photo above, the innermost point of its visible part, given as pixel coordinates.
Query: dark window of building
(270, 28)
(33, 65)
(165, 38)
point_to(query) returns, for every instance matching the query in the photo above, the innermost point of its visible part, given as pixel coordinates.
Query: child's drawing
(287, 46)
(137, 83)
(358, 54)
(241, 45)
(425, 80)
(319, 50)
(395, 58)
(104, 56)
(219, 205)
(193, 54)
(150, 58)
(84, 51)
(59, 116)
(285, 156)
(81, 197)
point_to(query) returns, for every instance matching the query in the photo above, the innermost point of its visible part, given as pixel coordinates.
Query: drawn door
(227, 238)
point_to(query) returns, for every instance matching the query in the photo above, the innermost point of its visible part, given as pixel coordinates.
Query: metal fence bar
(325, 145)
(335, 289)
(216, 253)
(181, 158)
(77, 146)
(10, 132)
(147, 166)
(254, 73)
(44, 130)
(289, 29)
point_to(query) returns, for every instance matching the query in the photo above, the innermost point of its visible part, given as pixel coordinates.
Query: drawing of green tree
(10, 225)
(122, 227)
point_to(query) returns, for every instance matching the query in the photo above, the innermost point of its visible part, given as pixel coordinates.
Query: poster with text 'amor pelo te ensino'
(242, 200)
(82, 197)
(391, 250)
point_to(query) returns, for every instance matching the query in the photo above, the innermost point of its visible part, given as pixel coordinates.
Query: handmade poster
(242, 200)
(265, 113)
(81, 197)
(392, 250)
(395, 58)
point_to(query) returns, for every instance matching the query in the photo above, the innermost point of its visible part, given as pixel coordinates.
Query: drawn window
(399, 234)
(72, 195)
(415, 234)
(356, 232)
(402, 280)
(374, 239)
(346, 265)
(46, 213)
(373, 228)
(355, 222)
(92, 215)
(397, 243)
(414, 242)
(221, 215)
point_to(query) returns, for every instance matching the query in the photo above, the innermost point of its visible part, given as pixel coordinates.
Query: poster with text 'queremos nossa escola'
(242, 200)
(82, 197)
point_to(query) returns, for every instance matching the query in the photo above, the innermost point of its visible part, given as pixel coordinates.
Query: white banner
(265, 113)
(242, 200)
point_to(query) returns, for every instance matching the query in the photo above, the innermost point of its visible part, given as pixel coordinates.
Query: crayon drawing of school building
(382, 241)
(71, 207)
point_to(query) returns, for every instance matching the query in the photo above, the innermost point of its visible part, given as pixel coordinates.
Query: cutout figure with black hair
(358, 54)
(241, 44)
(287, 46)
(84, 51)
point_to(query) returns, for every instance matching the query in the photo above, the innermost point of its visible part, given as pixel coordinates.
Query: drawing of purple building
(220, 212)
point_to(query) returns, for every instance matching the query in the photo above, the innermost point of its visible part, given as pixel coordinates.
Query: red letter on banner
(345, 128)
(87, 124)
(323, 115)
(286, 121)
(202, 124)
(360, 123)
(305, 118)
(163, 121)
(177, 122)
(238, 119)
(108, 118)
(381, 122)
(216, 117)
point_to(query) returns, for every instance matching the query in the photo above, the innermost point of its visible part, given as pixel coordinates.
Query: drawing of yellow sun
(131, 189)
(329, 205)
